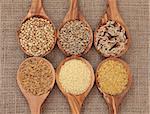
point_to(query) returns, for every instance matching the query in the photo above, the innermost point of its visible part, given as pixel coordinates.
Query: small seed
(36, 76)
(74, 37)
(112, 77)
(34, 33)
(75, 76)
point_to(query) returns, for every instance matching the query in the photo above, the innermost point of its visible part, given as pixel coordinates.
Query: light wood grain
(112, 13)
(35, 102)
(74, 14)
(36, 9)
(114, 102)
(75, 101)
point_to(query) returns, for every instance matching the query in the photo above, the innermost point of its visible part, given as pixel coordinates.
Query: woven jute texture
(135, 14)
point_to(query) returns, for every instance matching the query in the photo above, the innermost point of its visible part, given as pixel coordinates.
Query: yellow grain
(112, 77)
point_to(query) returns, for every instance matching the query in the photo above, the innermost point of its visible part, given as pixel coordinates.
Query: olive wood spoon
(35, 102)
(74, 14)
(37, 10)
(75, 101)
(112, 101)
(112, 13)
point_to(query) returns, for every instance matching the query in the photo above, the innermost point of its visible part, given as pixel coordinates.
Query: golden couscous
(112, 77)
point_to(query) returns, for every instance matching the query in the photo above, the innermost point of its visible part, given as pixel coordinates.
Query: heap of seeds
(75, 76)
(74, 37)
(112, 77)
(111, 39)
(36, 76)
(36, 36)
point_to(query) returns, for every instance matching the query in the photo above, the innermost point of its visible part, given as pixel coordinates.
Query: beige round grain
(75, 77)
(36, 36)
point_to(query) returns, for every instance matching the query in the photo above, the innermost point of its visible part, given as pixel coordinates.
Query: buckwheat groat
(111, 39)
(36, 36)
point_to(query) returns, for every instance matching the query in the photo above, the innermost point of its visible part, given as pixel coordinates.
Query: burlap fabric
(135, 14)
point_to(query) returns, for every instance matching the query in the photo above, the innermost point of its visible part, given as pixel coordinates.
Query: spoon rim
(126, 66)
(127, 45)
(87, 48)
(53, 44)
(40, 14)
(88, 89)
(43, 16)
(25, 92)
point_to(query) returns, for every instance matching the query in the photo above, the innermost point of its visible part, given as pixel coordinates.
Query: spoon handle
(35, 103)
(74, 13)
(36, 6)
(112, 3)
(112, 9)
(75, 105)
(35, 111)
(113, 106)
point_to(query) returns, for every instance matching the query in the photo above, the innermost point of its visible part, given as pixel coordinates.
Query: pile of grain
(74, 37)
(75, 76)
(112, 77)
(36, 75)
(111, 39)
(36, 36)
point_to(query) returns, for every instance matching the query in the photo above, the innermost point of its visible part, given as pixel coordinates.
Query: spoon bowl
(37, 10)
(35, 102)
(112, 13)
(114, 101)
(75, 101)
(72, 15)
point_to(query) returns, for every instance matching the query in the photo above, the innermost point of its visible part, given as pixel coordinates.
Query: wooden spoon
(37, 10)
(35, 102)
(75, 101)
(74, 14)
(113, 102)
(112, 13)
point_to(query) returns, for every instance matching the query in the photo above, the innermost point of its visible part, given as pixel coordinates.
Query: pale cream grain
(75, 76)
